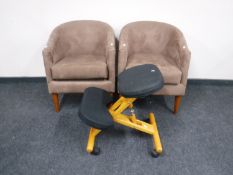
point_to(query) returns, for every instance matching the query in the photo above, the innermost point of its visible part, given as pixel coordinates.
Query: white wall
(207, 24)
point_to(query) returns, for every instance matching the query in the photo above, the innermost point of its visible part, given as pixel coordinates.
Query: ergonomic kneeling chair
(133, 83)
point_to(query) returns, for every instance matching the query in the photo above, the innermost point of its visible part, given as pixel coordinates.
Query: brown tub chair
(80, 54)
(160, 44)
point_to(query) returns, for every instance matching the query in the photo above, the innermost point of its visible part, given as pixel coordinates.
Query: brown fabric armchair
(80, 54)
(160, 44)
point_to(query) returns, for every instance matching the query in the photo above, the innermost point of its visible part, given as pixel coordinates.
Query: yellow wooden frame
(130, 121)
(91, 140)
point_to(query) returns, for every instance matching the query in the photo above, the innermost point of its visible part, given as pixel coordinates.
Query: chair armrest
(48, 62)
(111, 59)
(185, 56)
(111, 56)
(111, 63)
(179, 52)
(123, 52)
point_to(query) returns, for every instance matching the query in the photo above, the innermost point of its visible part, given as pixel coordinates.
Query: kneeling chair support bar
(130, 121)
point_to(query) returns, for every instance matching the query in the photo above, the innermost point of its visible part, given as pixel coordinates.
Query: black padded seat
(93, 109)
(140, 81)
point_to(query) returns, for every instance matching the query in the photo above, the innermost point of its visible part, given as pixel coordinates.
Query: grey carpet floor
(36, 140)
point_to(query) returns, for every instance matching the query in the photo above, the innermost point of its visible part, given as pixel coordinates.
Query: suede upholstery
(80, 67)
(80, 54)
(161, 44)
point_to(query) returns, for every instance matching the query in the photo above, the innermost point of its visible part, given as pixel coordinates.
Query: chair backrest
(150, 37)
(78, 38)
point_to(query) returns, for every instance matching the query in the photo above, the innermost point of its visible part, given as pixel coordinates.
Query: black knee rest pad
(140, 81)
(93, 109)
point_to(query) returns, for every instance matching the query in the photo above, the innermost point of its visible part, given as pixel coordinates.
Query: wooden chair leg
(177, 104)
(56, 102)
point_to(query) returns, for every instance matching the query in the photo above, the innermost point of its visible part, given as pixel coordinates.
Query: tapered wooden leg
(177, 104)
(56, 102)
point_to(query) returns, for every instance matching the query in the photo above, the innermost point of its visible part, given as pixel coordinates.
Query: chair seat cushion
(170, 71)
(80, 67)
(93, 109)
(140, 81)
